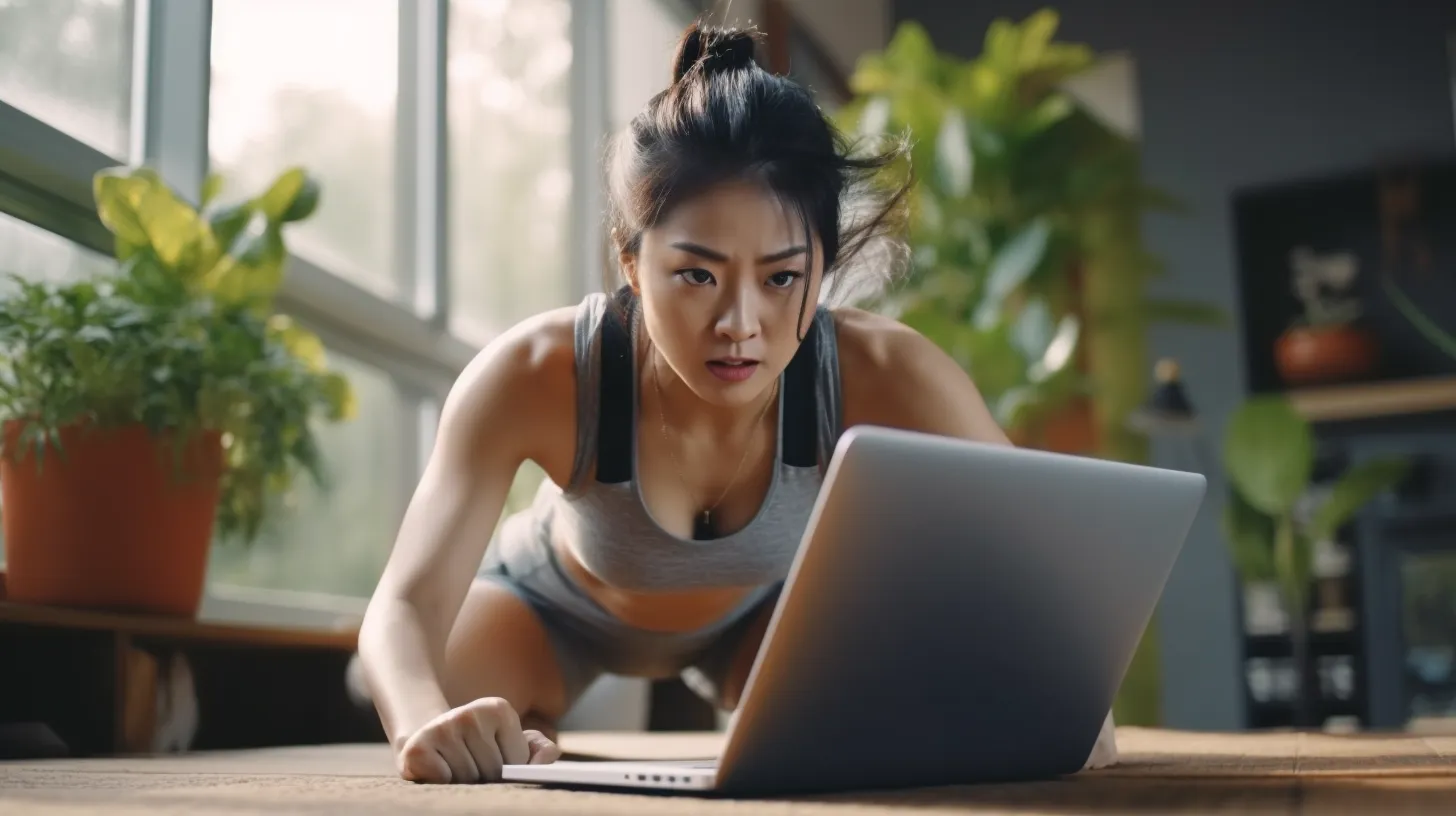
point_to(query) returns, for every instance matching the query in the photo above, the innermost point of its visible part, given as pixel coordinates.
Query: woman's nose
(739, 320)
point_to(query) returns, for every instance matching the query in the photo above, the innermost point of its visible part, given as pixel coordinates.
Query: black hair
(724, 118)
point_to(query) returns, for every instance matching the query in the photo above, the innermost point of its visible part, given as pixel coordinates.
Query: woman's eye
(783, 280)
(697, 277)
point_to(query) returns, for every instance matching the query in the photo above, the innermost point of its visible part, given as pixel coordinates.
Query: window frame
(46, 175)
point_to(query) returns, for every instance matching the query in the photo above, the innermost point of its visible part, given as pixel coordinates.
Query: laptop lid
(958, 612)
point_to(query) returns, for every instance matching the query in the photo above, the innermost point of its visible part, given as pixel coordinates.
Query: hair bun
(715, 49)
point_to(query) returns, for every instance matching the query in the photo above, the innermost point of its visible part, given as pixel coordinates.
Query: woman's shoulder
(537, 350)
(873, 344)
(891, 374)
(522, 384)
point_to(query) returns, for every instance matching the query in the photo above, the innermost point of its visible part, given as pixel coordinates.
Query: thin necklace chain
(662, 417)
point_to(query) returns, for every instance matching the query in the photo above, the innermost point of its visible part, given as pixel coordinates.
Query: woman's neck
(689, 414)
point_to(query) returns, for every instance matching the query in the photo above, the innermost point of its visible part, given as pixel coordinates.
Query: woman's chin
(733, 392)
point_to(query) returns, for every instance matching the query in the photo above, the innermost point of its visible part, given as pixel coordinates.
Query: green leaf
(252, 269)
(1293, 555)
(1032, 331)
(1059, 352)
(119, 193)
(1035, 35)
(1047, 113)
(305, 203)
(280, 196)
(228, 222)
(875, 117)
(303, 344)
(343, 404)
(872, 75)
(1269, 453)
(1354, 489)
(211, 188)
(1014, 405)
(1012, 266)
(954, 162)
(172, 227)
(910, 53)
(1251, 538)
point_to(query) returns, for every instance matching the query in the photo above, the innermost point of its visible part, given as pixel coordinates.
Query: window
(252, 87)
(335, 541)
(69, 64)
(314, 83)
(33, 253)
(509, 161)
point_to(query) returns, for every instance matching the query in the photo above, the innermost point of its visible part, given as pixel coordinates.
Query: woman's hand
(471, 743)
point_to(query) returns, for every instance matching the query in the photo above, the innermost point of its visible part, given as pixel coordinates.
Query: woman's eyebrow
(715, 255)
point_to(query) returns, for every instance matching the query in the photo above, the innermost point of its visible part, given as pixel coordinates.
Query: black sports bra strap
(800, 431)
(616, 429)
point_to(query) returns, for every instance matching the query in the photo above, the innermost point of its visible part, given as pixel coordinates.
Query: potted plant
(1325, 343)
(1028, 265)
(148, 410)
(1272, 526)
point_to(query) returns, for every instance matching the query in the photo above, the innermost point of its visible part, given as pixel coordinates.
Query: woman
(683, 424)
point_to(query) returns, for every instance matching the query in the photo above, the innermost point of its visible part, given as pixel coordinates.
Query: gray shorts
(589, 641)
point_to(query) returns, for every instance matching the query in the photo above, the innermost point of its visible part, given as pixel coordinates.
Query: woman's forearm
(399, 667)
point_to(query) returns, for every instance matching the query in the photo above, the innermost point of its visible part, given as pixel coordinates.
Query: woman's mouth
(733, 369)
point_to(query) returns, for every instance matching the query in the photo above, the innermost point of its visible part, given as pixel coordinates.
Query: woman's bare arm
(514, 401)
(894, 377)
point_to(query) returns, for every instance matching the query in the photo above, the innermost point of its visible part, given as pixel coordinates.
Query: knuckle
(415, 749)
(498, 710)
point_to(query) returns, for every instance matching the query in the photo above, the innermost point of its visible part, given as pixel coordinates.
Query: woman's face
(721, 281)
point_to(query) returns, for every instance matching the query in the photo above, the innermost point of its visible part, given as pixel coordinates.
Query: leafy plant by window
(182, 339)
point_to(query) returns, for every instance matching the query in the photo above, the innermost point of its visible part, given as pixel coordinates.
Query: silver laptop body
(957, 613)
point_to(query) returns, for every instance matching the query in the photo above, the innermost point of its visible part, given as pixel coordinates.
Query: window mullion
(590, 87)
(420, 159)
(178, 57)
(141, 49)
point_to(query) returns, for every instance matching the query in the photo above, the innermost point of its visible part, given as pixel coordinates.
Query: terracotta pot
(1071, 428)
(117, 522)
(1309, 355)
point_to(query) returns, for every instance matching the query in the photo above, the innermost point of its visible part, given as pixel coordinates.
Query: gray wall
(1234, 94)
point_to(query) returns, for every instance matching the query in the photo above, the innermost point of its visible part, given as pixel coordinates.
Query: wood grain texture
(1163, 772)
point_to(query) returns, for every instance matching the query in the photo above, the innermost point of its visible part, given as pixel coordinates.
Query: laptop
(956, 613)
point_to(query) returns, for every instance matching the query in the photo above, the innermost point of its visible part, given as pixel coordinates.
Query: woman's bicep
(492, 421)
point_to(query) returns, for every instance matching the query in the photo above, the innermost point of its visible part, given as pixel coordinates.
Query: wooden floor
(1160, 772)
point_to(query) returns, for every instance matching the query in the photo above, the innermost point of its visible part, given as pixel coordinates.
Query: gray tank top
(602, 519)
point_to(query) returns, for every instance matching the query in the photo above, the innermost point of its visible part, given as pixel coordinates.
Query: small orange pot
(1326, 354)
(117, 522)
(1070, 428)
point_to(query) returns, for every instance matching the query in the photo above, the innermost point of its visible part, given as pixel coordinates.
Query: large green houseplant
(175, 379)
(1028, 263)
(1269, 455)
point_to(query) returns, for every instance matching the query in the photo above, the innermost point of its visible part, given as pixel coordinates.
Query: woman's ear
(626, 261)
(628, 264)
